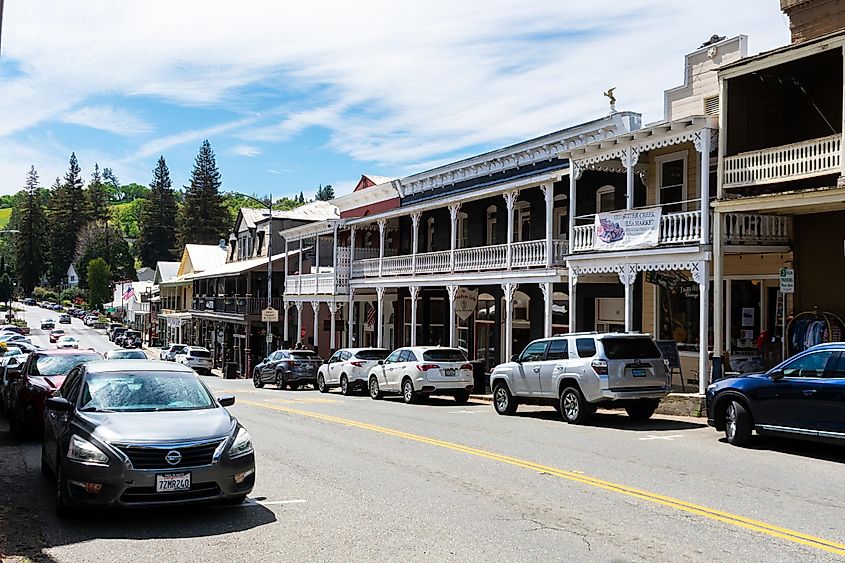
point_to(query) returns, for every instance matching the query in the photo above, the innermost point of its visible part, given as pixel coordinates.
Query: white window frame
(608, 189)
(521, 212)
(429, 234)
(561, 229)
(491, 217)
(462, 235)
(659, 161)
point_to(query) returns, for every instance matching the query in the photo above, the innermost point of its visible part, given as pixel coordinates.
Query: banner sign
(627, 229)
(465, 301)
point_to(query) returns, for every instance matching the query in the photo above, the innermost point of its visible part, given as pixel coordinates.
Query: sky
(292, 95)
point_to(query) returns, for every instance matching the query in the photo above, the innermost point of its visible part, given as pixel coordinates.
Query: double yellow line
(711, 513)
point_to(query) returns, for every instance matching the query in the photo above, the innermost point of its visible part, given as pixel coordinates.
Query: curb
(676, 404)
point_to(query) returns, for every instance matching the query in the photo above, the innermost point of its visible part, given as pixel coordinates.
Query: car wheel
(461, 397)
(280, 380)
(408, 394)
(62, 508)
(503, 401)
(321, 384)
(737, 424)
(256, 380)
(573, 407)
(375, 391)
(345, 388)
(643, 409)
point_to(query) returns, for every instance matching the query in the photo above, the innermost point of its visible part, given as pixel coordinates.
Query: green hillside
(5, 215)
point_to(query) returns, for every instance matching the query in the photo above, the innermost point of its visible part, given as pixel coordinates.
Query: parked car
(55, 334)
(13, 357)
(48, 324)
(169, 353)
(10, 337)
(195, 357)
(90, 319)
(132, 433)
(349, 368)
(131, 339)
(40, 376)
(802, 397)
(67, 342)
(578, 372)
(117, 332)
(111, 327)
(126, 355)
(11, 328)
(419, 371)
(29, 301)
(64, 319)
(288, 368)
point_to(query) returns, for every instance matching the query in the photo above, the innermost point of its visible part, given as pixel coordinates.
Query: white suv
(421, 371)
(579, 372)
(196, 358)
(349, 368)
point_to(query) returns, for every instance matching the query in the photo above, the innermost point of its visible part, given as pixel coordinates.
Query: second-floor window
(429, 235)
(463, 230)
(605, 199)
(521, 222)
(491, 225)
(672, 182)
(561, 217)
(260, 244)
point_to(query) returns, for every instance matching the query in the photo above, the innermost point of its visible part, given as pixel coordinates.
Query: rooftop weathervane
(612, 99)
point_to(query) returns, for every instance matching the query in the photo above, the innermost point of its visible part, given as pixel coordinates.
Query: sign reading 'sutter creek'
(632, 228)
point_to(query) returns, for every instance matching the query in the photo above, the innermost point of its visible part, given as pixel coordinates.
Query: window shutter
(711, 105)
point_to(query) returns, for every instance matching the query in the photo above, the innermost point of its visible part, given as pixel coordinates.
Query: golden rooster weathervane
(612, 99)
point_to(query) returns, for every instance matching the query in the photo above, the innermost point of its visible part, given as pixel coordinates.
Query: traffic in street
(347, 477)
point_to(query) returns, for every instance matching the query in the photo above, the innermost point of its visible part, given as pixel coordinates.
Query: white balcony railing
(806, 159)
(682, 227)
(306, 284)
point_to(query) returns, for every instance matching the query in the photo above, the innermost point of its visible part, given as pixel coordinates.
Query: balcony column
(333, 330)
(572, 278)
(334, 264)
(548, 301)
(351, 313)
(628, 275)
(508, 289)
(575, 172)
(629, 161)
(299, 305)
(510, 199)
(315, 307)
(285, 328)
(381, 225)
(452, 291)
(454, 209)
(287, 271)
(352, 230)
(841, 180)
(415, 291)
(702, 145)
(701, 275)
(299, 282)
(380, 318)
(415, 241)
(549, 193)
(315, 269)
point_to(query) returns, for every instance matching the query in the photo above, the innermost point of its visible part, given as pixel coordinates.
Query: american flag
(128, 293)
(371, 315)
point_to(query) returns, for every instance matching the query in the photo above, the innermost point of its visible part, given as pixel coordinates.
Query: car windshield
(444, 355)
(372, 354)
(630, 348)
(303, 354)
(60, 364)
(143, 392)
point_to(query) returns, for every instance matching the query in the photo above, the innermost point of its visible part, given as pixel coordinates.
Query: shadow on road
(619, 421)
(800, 448)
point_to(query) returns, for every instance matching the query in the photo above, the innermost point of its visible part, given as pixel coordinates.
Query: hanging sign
(627, 229)
(269, 315)
(465, 301)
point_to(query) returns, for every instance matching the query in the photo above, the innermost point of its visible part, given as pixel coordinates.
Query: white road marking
(463, 412)
(670, 437)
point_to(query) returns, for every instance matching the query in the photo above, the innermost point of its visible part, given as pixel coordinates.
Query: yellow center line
(579, 477)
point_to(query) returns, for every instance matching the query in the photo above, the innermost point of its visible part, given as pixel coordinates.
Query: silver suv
(579, 372)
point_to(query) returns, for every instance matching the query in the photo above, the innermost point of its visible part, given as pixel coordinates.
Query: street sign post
(787, 285)
(269, 315)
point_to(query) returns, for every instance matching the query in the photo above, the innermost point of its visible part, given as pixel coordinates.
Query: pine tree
(28, 218)
(97, 196)
(98, 275)
(203, 218)
(106, 242)
(157, 225)
(301, 197)
(67, 214)
(324, 193)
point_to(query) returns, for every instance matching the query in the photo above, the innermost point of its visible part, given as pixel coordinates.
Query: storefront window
(485, 343)
(560, 313)
(677, 309)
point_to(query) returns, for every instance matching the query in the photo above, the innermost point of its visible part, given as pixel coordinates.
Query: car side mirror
(776, 374)
(226, 400)
(13, 374)
(58, 404)
(515, 358)
(381, 362)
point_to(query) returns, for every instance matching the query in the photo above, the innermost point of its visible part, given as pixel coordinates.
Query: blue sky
(296, 95)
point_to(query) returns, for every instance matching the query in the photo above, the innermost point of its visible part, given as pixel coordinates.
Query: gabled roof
(236, 268)
(200, 257)
(145, 274)
(370, 180)
(165, 271)
(314, 211)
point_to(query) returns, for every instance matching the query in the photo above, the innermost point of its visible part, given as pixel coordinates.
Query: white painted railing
(528, 254)
(583, 238)
(306, 284)
(751, 228)
(680, 227)
(806, 159)
(427, 263)
(481, 258)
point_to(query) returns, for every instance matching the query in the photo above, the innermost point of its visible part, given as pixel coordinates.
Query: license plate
(638, 372)
(171, 482)
(450, 372)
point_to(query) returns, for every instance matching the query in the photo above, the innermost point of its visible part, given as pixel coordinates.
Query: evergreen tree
(97, 196)
(67, 215)
(28, 218)
(106, 242)
(112, 184)
(157, 225)
(203, 218)
(98, 275)
(301, 197)
(324, 193)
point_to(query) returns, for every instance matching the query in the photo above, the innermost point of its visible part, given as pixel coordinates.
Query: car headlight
(241, 445)
(84, 451)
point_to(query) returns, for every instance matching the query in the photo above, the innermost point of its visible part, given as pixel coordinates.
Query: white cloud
(113, 120)
(158, 146)
(245, 150)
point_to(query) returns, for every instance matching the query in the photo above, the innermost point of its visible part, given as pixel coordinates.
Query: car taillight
(599, 366)
(467, 366)
(358, 363)
(426, 367)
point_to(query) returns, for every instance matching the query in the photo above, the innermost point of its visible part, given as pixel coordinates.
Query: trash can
(230, 370)
(479, 377)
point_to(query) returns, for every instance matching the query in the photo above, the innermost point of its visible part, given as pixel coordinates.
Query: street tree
(98, 275)
(28, 218)
(67, 213)
(157, 224)
(203, 218)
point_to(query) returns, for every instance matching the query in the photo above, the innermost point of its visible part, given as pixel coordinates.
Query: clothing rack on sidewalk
(812, 327)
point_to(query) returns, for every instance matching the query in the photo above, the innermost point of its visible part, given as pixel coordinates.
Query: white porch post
(453, 326)
(454, 209)
(299, 305)
(573, 287)
(548, 301)
(510, 199)
(334, 264)
(299, 278)
(415, 291)
(415, 241)
(549, 193)
(728, 305)
(285, 328)
(381, 225)
(628, 275)
(508, 289)
(702, 145)
(842, 145)
(380, 318)
(351, 316)
(575, 172)
(316, 268)
(315, 307)
(333, 330)
(629, 161)
(287, 268)
(701, 274)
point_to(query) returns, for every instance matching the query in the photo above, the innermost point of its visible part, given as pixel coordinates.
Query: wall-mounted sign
(787, 280)
(465, 301)
(633, 228)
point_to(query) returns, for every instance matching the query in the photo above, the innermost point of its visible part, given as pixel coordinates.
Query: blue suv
(802, 397)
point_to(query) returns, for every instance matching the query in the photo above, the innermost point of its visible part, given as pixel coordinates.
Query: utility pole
(1, 24)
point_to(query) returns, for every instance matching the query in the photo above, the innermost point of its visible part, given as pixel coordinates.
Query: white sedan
(421, 371)
(348, 368)
(67, 342)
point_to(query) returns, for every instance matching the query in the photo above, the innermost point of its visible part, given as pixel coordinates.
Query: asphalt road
(349, 478)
